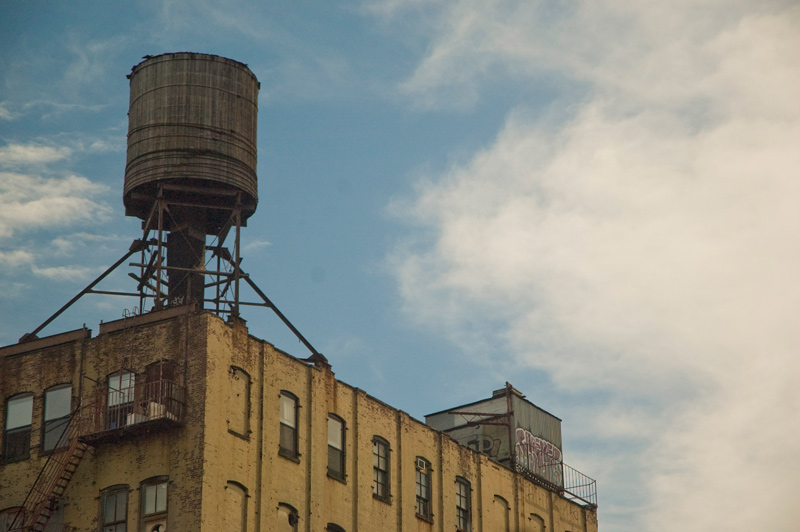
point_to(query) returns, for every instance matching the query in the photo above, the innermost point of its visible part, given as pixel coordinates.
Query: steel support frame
(152, 283)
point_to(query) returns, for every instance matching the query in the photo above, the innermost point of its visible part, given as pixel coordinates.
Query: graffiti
(538, 456)
(485, 444)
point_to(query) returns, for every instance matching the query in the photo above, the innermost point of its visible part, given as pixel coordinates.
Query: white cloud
(63, 273)
(5, 114)
(31, 202)
(14, 155)
(68, 244)
(645, 247)
(15, 258)
(256, 245)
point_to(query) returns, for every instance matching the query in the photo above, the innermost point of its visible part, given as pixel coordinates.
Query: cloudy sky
(592, 200)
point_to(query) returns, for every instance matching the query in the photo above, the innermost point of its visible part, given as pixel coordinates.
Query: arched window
(333, 527)
(500, 512)
(239, 402)
(17, 435)
(537, 523)
(335, 447)
(463, 505)
(57, 407)
(288, 518)
(423, 480)
(288, 442)
(380, 468)
(9, 517)
(235, 507)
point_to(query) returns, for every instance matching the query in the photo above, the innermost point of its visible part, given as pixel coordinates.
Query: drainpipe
(354, 482)
(512, 460)
(479, 513)
(399, 469)
(260, 440)
(309, 437)
(440, 474)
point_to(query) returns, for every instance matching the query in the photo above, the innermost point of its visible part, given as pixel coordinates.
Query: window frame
(423, 508)
(50, 424)
(293, 432)
(463, 505)
(233, 485)
(19, 435)
(149, 518)
(115, 491)
(380, 444)
(120, 400)
(336, 456)
(13, 515)
(235, 372)
(293, 516)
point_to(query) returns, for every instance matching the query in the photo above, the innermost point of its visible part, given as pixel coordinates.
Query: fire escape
(51, 483)
(136, 404)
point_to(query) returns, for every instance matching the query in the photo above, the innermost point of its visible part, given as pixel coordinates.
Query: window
(288, 443)
(463, 505)
(423, 488)
(335, 447)
(120, 399)
(287, 518)
(162, 396)
(17, 437)
(57, 406)
(236, 507)
(380, 468)
(333, 527)
(154, 504)
(500, 510)
(9, 517)
(537, 523)
(114, 509)
(239, 402)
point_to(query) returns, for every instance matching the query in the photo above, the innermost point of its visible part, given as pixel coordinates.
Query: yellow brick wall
(203, 458)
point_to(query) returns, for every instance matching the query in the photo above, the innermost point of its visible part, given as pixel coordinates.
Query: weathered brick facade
(216, 444)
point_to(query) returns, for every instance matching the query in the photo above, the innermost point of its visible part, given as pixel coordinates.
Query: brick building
(178, 420)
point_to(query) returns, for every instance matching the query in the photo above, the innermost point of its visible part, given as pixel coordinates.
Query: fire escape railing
(53, 479)
(158, 400)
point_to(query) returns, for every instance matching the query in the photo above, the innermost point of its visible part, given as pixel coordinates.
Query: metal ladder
(52, 481)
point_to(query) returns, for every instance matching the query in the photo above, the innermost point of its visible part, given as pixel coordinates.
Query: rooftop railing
(569, 482)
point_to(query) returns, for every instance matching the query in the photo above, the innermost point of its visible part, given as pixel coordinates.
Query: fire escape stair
(54, 478)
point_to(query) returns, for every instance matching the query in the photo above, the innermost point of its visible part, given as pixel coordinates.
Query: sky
(592, 200)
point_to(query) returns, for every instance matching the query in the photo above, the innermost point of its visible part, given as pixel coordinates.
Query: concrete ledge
(142, 319)
(47, 341)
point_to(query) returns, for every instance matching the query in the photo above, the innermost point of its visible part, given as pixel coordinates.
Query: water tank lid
(192, 55)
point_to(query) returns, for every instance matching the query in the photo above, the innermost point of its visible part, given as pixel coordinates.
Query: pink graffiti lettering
(536, 454)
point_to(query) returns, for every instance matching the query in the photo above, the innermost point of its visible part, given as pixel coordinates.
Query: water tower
(190, 177)
(191, 167)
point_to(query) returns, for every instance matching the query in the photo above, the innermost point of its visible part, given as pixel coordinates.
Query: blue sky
(592, 200)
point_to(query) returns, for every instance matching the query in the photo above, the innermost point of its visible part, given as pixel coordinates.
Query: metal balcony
(128, 411)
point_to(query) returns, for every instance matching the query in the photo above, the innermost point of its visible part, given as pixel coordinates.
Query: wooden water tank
(192, 125)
